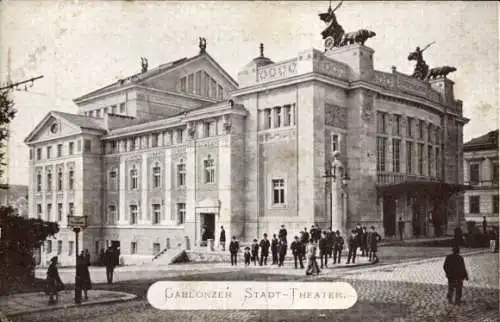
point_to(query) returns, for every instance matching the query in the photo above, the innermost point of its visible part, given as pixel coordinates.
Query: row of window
(201, 84)
(432, 155)
(474, 176)
(87, 148)
(100, 112)
(415, 128)
(475, 204)
(59, 180)
(276, 117)
(59, 212)
(49, 250)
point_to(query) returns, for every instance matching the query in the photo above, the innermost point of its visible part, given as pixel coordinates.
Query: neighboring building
(15, 196)
(481, 174)
(157, 156)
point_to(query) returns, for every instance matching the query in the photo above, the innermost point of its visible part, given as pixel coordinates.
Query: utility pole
(10, 85)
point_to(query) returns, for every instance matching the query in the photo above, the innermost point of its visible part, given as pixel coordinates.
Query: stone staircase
(169, 256)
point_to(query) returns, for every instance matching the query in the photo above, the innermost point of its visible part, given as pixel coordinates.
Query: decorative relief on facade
(179, 150)
(277, 71)
(367, 111)
(335, 116)
(385, 80)
(207, 144)
(134, 158)
(332, 68)
(156, 154)
(274, 136)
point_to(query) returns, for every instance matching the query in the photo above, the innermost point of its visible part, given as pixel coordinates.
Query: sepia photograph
(253, 161)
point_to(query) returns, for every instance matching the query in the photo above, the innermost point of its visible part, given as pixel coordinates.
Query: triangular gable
(52, 126)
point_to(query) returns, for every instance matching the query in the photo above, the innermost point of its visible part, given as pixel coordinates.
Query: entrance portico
(207, 215)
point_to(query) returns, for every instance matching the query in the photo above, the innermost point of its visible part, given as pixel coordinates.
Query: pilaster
(122, 211)
(167, 207)
(144, 211)
(224, 185)
(190, 220)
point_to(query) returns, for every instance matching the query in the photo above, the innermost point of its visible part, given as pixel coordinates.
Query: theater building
(320, 137)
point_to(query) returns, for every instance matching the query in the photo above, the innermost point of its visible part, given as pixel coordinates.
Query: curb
(126, 297)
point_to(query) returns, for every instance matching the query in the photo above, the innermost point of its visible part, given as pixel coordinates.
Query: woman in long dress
(54, 283)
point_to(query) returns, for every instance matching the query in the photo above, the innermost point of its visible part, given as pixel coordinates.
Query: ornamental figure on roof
(421, 68)
(333, 32)
(144, 64)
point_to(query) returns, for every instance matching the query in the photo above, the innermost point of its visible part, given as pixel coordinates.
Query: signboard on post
(77, 221)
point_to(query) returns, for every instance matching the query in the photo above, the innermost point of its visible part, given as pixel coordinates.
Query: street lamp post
(334, 171)
(78, 223)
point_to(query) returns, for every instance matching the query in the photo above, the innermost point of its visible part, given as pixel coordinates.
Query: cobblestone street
(413, 291)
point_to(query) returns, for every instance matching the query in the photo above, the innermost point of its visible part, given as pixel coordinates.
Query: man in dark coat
(314, 234)
(264, 250)
(222, 238)
(323, 250)
(282, 233)
(456, 273)
(373, 238)
(274, 249)
(281, 252)
(338, 246)
(485, 225)
(364, 242)
(359, 236)
(234, 247)
(112, 259)
(401, 226)
(305, 237)
(352, 243)
(330, 237)
(255, 252)
(296, 248)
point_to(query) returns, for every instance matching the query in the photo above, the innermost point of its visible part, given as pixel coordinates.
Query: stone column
(272, 118)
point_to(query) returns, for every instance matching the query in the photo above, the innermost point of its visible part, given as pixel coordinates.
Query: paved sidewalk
(24, 303)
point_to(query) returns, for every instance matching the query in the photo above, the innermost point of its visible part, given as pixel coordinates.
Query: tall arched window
(39, 182)
(156, 175)
(134, 178)
(209, 169)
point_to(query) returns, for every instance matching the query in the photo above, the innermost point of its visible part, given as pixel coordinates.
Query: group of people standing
(327, 244)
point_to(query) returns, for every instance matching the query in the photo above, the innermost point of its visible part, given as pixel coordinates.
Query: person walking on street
(112, 258)
(281, 252)
(234, 247)
(53, 283)
(296, 248)
(456, 273)
(401, 227)
(222, 239)
(352, 244)
(255, 252)
(312, 265)
(323, 250)
(338, 246)
(274, 249)
(373, 239)
(83, 274)
(264, 250)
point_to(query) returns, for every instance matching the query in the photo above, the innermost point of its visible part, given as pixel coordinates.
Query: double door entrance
(207, 227)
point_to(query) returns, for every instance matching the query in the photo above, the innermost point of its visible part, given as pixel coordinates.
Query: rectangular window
(97, 113)
(206, 128)
(409, 157)
(206, 85)
(474, 204)
(131, 145)
(190, 84)
(209, 169)
(438, 163)
(70, 247)
(39, 154)
(71, 179)
(156, 213)
(381, 122)
(278, 191)
(420, 156)
(154, 140)
(495, 204)
(87, 146)
(104, 111)
(133, 214)
(181, 213)
(49, 212)
(267, 118)
(396, 125)
(134, 178)
(122, 108)
(287, 115)
(198, 83)
(113, 109)
(59, 247)
(114, 147)
(59, 212)
(429, 133)
(49, 181)
(335, 142)
(112, 215)
(183, 86)
(39, 211)
(277, 116)
(133, 248)
(39, 182)
(421, 127)
(220, 92)
(181, 174)
(49, 246)
(381, 148)
(79, 146)
(157, 175)
(494, 173)
(396, 155)
(212, 129)
(71, 148)
(49, 152)
(429, 161)
(59, 150)
(156, 248)
(178, 136)
(409, 127)
(474, 173)
(113, 178)
(213, 88)
(437, 134)
(71, 208)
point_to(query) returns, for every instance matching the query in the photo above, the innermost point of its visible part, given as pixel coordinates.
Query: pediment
(52, 127)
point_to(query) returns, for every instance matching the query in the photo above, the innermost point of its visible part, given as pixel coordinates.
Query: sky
(79, 46)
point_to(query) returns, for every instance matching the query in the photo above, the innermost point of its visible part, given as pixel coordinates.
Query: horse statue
(333, 31)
